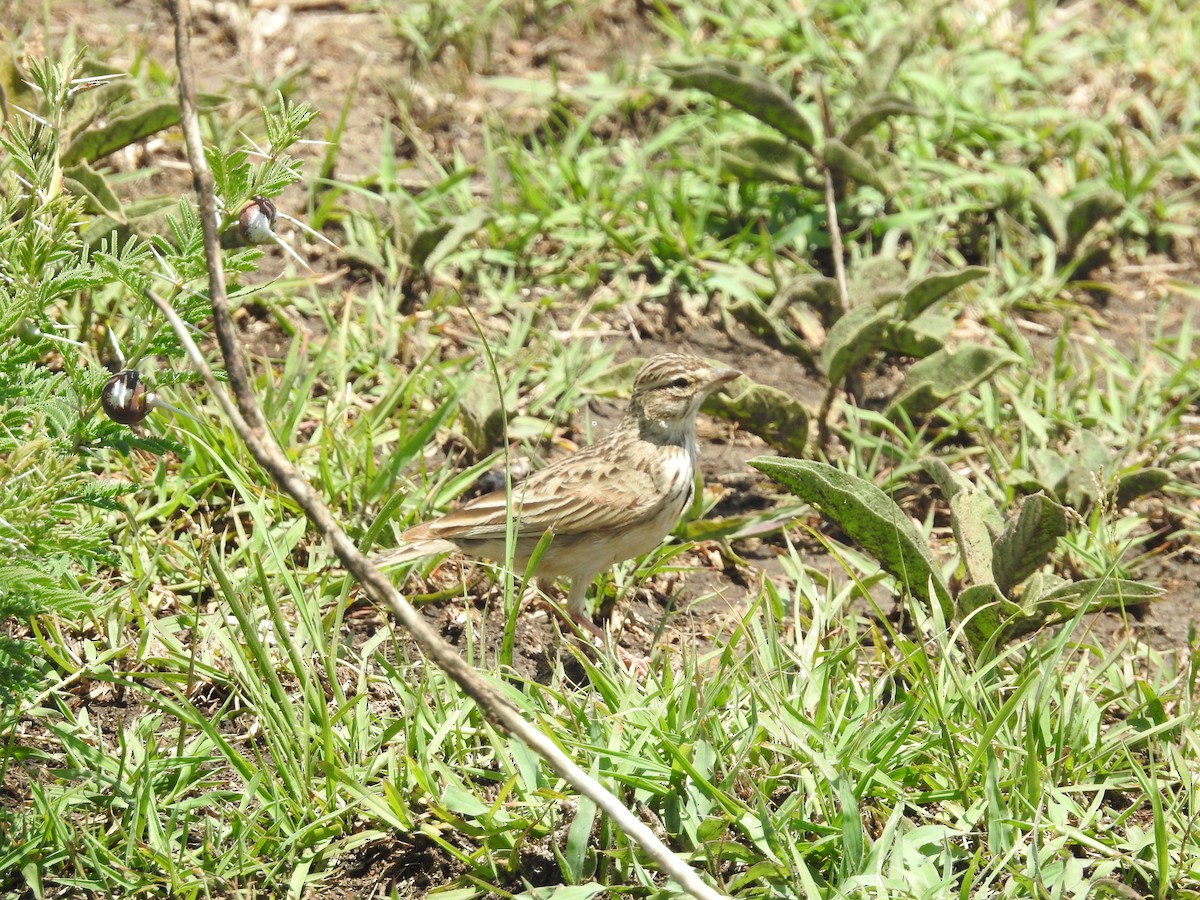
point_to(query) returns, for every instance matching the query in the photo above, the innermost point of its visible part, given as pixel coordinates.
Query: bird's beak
(718, 377)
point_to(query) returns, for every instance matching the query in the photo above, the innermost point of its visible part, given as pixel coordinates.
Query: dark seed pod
(256, 223)
(125, 398)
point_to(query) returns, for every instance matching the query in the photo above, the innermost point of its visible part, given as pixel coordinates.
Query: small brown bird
(608, 502)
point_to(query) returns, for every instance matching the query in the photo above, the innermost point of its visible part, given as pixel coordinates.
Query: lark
(603, 504)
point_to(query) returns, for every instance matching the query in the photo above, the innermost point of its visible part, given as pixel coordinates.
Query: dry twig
(248, 420)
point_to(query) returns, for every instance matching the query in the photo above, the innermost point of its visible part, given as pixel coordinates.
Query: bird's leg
(577, 608)
(577, 611)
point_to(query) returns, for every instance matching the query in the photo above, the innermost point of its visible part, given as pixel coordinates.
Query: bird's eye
(680, 383)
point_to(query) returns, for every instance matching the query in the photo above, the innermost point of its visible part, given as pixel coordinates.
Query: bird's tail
(411, 551)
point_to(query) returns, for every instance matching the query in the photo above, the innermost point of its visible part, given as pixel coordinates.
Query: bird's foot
(635, 662)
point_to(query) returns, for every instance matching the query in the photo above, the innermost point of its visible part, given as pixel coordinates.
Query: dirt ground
(336, 55)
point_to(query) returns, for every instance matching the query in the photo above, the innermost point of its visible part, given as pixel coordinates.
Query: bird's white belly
(679, 475)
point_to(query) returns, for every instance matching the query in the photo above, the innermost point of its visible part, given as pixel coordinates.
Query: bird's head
(669, 389)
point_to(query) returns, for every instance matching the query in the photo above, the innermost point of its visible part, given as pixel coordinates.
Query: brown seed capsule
(257, 221)
(125, 398)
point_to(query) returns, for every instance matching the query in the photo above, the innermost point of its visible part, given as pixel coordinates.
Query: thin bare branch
(248, 420)
(835, 240)
(835, 230)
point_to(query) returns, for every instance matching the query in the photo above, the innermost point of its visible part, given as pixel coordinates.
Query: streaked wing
(587, 491)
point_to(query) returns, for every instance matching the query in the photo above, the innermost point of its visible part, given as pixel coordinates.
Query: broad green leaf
(878, 152)
(456, 798)
(1064, 602)
(768, 412)
(1088, 456)
(853, 337)
(874, 275)
(1027, 542)
(749, 90)
(1050, 470)
(1038, 585)
(889, 48)
(1132, 485)
(923, 336)
(14, 88)
(131, 124)
(1099, 593)
(763, 158)
(1022, 481)
(89, 106)
(852, 164)
(945, 374)
(561, 892)
(874, 110)
(879, 298)
(764, 872)
(869, 517)
(102, 226)
(949, 482)
(931, 288)
(885, 54)
(736, 280)
(127, 126)
(976, 522)
(818, 291)
(483, 412)
(424, 242)
(83, 180)
(756, 316)
(983, 610)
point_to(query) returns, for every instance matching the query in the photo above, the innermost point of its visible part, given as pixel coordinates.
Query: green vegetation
(909, 695)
